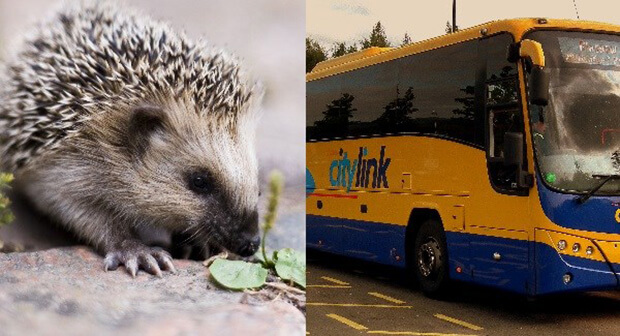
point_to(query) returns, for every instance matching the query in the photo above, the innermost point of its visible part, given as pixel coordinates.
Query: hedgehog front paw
(135, 256)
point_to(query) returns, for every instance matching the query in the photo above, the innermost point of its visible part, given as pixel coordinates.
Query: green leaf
(5, 212)
(5, 179)
(237, 274)
(259, 256)
(291, 265)
(265, 263)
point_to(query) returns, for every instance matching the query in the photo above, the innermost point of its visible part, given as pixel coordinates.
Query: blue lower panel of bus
(474, 256)
(585, 274)
(376, 242)
(524, 267)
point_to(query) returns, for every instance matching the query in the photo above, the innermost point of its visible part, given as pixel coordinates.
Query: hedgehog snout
(249, 247)
(247, 239)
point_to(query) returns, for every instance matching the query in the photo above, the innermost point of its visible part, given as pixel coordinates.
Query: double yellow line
(338, 284)
(458, 322)
(397, 304)
(358, 326)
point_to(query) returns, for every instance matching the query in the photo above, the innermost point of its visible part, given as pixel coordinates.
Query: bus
(490, 155)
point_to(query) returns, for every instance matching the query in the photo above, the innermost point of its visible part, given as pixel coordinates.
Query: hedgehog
(113, 123)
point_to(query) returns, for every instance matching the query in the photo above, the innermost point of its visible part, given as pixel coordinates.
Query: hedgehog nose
(250, 247)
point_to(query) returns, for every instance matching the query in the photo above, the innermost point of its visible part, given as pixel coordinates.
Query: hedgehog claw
(164, 260)
(149, 264)
(110, 263)
(132, 266)
(137, 257)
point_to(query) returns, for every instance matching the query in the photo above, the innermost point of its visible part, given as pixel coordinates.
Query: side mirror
(533, 53)
(539, 86)
(513, 149)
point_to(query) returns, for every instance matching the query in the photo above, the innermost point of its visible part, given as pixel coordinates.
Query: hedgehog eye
(200, 182)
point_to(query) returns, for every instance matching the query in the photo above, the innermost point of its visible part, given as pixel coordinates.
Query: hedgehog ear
(145, 120)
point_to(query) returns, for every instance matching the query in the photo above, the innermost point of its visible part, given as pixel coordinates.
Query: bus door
(498, 231)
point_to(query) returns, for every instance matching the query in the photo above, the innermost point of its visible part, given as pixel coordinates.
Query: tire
(430, 259)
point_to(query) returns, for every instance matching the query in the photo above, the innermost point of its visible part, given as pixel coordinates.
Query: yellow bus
(490, 155)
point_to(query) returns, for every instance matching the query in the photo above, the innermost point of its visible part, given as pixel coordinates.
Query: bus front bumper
(572, 263)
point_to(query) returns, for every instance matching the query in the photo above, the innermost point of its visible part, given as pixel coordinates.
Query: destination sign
(589, 51)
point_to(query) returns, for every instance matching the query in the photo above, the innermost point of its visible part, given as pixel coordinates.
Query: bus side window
(502, 121)
(504, 114)
(327, 112)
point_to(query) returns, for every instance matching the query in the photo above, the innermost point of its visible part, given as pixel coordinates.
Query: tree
(341, 49)
(406, 40)
(503, 90)
(314, 54)
(377, 38)
(467, 110)
(352, 48)
(397, 113)
(449, 28)
(336, 116)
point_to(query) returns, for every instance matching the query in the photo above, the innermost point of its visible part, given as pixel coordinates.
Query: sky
(329, 21)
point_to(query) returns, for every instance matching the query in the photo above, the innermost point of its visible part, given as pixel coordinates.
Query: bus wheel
(430, 263)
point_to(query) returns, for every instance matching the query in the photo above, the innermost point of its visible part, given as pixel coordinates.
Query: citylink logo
(367, 172)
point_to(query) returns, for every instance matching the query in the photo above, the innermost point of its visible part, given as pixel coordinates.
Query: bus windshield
(578, 134)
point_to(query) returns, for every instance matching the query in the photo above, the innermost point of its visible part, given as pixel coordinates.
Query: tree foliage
(341, 49)
(449, 28)
(338, 113)
(406, 40)
(397, 112)
(377, 37)
(314, 54)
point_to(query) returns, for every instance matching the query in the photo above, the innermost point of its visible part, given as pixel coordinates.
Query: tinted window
(502, 80)
(427, 93)
(501, 89)
(326, 115)
(502, 105)
(373, 90)
(440, 86)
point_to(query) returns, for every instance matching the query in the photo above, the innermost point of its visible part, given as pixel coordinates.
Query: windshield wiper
(583, 198)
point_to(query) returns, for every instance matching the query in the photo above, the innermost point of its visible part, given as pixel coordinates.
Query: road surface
(346, 297)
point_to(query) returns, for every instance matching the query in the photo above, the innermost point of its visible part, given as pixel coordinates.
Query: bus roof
(517, 27)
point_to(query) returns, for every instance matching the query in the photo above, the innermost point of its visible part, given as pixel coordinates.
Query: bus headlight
(576, 247)
(589, 250)
(562, 244)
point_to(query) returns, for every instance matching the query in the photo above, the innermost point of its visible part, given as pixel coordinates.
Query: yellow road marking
(346, 321)
(328, 286)
(354, 305)
(412, 333)
(336, 281)
(459, 322)
(385, 297)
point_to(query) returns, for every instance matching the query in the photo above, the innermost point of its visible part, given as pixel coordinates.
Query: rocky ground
(64, 291)
(57, 287)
